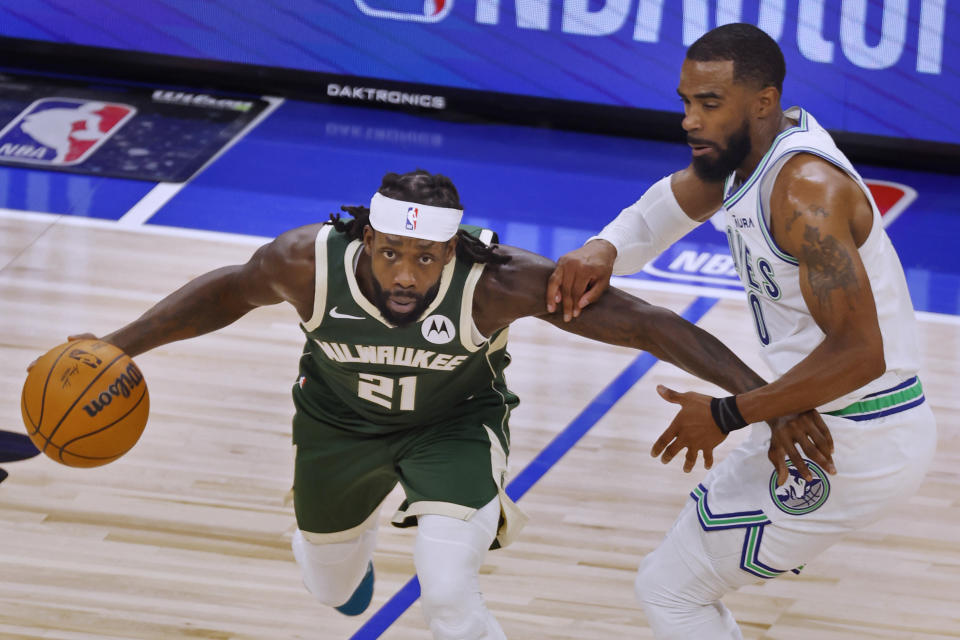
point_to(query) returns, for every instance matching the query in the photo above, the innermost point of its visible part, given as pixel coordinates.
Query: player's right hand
(580, 278)
(79, 336)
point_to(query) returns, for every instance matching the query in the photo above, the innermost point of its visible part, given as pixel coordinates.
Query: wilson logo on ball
(120, 387)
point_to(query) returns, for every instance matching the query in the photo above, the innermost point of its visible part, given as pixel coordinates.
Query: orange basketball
(85, 403)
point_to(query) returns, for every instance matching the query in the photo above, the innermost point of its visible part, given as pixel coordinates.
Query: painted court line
(150, 203)
(161, 194)
(545, 460)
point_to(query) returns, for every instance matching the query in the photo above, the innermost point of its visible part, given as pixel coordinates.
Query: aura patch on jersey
(797, 496)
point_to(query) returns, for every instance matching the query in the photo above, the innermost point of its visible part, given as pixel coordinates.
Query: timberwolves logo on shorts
(438, 329)
(61, 131)
(797, 496)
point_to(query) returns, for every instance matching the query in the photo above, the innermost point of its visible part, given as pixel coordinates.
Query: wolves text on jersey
(759, 278)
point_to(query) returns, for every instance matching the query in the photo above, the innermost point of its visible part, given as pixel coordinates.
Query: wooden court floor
(188, 535)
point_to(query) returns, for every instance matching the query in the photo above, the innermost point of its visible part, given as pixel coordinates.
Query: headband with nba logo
(412, 219)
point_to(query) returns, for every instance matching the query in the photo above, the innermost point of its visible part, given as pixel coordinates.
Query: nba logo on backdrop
(411, 10)
(891, 198)
(412, 214)
(61, 131)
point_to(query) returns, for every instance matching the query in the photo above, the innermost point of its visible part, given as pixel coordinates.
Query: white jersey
(770, 276)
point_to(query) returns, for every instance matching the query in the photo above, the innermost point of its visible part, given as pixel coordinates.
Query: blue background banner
(889, 68)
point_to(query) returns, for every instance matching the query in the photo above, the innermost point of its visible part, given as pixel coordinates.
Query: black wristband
(726, 414)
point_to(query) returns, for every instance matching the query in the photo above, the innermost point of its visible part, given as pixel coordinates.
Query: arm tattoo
(814, 209)
(793, 218)
(829, 265)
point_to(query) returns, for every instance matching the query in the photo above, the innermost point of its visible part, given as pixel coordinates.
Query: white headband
(397, 217)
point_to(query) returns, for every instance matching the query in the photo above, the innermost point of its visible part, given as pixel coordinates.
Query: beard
(403, 319)
(728, 158)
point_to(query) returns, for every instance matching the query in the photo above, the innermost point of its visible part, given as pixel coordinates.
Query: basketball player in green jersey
(405, 314)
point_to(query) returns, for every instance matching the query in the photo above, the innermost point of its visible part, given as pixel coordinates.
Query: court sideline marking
(391, 610)
(165, 191)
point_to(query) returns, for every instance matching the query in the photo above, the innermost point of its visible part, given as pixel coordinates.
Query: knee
(447, 593)
(452, 605)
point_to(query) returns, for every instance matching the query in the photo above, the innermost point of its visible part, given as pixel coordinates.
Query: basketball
(85, 403)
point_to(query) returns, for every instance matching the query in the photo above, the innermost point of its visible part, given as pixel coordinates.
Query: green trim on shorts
(883, 403)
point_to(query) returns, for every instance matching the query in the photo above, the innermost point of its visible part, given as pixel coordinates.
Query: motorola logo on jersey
(438, 329)
(408, 10)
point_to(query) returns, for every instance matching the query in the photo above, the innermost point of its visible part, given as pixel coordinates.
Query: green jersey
(360, 372)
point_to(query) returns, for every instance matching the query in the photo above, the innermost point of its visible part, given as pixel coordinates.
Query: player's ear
(765, 102)
(368, 239)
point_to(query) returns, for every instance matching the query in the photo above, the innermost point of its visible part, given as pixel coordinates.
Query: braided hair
(424, 188)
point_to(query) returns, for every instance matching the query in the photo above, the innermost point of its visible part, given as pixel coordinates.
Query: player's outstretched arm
(279, 270)
(666, 212)
(515, 289)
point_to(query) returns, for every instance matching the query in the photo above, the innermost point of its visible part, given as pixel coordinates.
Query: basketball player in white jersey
(831, 311)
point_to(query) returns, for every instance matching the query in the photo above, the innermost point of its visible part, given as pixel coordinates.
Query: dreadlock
(424, 188)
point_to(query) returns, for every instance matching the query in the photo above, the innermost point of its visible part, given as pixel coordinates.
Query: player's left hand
(807, 430)
(692, 429)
